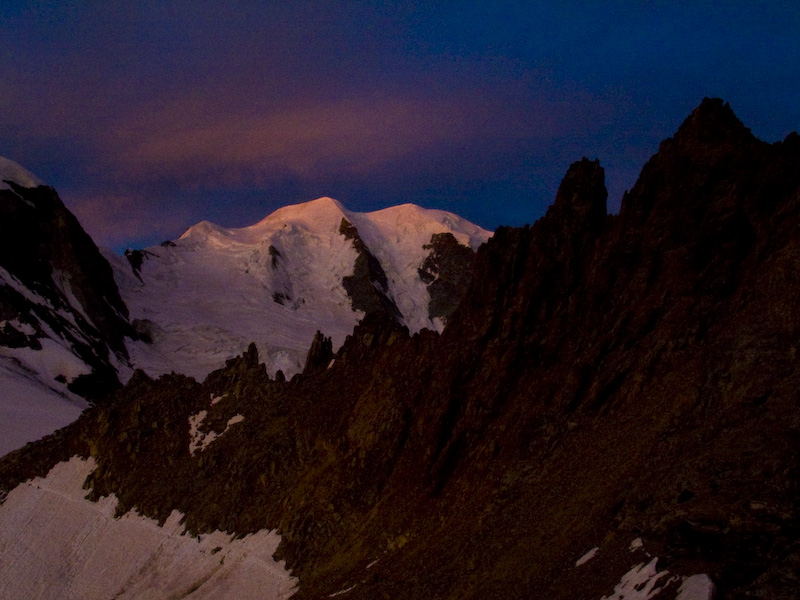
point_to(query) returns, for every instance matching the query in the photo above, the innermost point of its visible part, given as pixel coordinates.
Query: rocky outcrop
(612, 382)
(367, 286)
(136, 258)
(58, 284)
(320, 354)
(446, 271)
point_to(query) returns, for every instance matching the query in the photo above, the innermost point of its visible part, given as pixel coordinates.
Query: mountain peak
(11, 171)
(322, 210)
(711, 138)
(202, 231)
(581, 197)
(712, 122)
(314, 212)
(324, 203)
(325, 200)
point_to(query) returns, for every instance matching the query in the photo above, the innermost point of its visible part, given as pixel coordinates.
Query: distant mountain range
(594, 406)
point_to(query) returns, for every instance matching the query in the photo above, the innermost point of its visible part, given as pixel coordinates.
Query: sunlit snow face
(276, 283)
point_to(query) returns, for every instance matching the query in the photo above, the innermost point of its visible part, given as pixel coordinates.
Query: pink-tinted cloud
(115, 220)
(241, 134)
(206, 141)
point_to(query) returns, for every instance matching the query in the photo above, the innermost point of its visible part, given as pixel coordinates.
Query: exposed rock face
(446, 271)
(136, 258)
(44, 250)
(320, 354)
(367, 286)
(607, 382)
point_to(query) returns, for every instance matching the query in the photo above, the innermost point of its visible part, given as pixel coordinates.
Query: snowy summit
(204, 297)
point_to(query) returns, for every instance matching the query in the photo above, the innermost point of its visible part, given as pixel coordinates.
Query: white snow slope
(55, 544)
(29, 410)
(214, 291)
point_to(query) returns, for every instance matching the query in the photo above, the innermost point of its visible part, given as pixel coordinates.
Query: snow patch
(63, 282)
(196, 438)
(587, 557)
(55, 544)
(340, 592)
(29, 410)
(53, 360)
(696, 587)
(438, 324)
(234, 420)
(19, 287)
(199, 440)
(642, 582)
(25, 328)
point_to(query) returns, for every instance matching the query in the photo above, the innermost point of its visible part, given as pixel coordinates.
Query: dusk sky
(148, 117)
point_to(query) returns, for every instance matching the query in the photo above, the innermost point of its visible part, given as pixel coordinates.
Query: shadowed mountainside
(59, 287)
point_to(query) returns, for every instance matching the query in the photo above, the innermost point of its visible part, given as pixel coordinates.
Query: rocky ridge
(56, 286)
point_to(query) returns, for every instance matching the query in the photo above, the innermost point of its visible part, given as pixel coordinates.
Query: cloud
(115, 221)
(310, 139)
(214, 99)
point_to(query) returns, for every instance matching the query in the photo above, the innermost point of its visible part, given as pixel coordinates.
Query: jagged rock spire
(319, 355)
(581, 199)
(712, 122)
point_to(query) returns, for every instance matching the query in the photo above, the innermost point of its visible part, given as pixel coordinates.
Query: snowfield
(55, 544)
(28, 409)
(204, 297)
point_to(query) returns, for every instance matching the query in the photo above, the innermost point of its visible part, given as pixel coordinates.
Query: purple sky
(148, 117)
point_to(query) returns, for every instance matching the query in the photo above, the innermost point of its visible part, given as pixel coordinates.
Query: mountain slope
(314, 266)
(98, 556)
(612, 410)
(62, 321)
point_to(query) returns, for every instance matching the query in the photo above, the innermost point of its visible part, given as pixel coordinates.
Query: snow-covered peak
(276, 283)
(203, 232)
(315, 210)
(324, 216)
(11, 171)
(320, 216)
